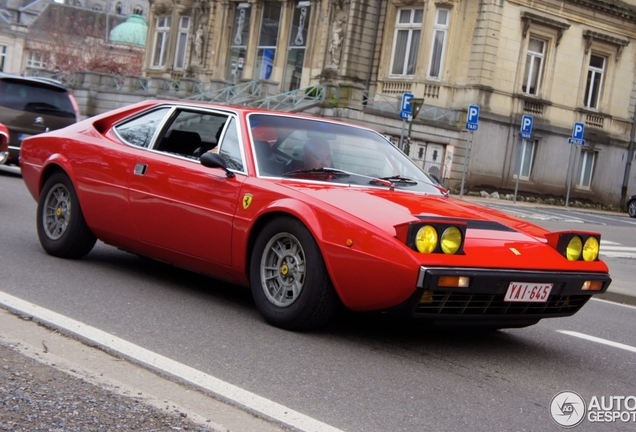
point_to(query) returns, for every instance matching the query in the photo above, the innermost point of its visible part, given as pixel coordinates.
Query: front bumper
(482, 302)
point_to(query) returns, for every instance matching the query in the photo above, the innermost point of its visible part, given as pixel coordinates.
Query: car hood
(386, 208)
(492, 239)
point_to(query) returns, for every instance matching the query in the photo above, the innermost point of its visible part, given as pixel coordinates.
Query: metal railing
(238, 94)
(293, 100)
(391, 104)
(382, 102)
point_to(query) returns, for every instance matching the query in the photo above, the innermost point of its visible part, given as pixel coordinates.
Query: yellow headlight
(590, 249)
(426, 239)
(574, 248)
(451, 240)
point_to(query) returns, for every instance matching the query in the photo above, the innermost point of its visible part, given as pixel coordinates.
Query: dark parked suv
(29, 106)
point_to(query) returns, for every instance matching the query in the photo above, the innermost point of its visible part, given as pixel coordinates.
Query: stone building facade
(562, 62)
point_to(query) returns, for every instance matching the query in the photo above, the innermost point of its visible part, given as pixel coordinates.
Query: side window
(139, 132)
(231, 147)
(586, 169)
(525, 159)
(406, 41)
(182, 42)
(440, 36)
(594, 84)
(534, 67)
(3, 57)
(191, 133)
(160, 47)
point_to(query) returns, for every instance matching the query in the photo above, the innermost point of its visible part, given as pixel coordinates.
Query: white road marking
(251, 401)
(617, 250)
(613, 303)
(599, 340)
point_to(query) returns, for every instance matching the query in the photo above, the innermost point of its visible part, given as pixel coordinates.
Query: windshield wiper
(327, 173)
(395, 179)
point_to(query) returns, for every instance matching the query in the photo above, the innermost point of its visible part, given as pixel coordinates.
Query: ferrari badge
(247, 200)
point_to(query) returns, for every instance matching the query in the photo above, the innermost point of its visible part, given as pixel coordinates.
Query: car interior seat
(181, 142)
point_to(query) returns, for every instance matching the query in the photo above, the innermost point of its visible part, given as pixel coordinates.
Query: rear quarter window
(31, 97)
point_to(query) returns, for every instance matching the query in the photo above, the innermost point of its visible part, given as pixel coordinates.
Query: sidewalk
(51, 382)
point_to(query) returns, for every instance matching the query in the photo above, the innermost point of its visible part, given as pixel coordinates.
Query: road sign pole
(401, 145)
(519, 148)
(570, 174)
(469, 140)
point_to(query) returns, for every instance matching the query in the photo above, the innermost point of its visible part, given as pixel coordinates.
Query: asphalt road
(359, 374)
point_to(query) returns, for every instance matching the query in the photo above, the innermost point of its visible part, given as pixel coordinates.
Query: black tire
(286, 255)
(62, 229)
(631, 208)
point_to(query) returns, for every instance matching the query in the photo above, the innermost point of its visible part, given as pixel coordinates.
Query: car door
(178, 204)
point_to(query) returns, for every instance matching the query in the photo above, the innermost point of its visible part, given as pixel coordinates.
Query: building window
(406, 41)
(238, 41)
(3, 57)
(440, 34)
(138, 10)
(595, 73)
(161, 41)
(534, 67)
(36, 60)
(586, 169)
(118, 8)
(297, 46)
(182, 42)
(525, 159)
(267, 40)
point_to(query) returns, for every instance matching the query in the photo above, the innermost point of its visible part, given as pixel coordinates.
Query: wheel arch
(284, 208)
(52, 166)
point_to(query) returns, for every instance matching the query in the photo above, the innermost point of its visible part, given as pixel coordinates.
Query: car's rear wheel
(288, 277)
(62, 229)
(4, 157)
(631, 208)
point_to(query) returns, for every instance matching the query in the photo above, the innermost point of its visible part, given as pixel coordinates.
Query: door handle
(140, 169)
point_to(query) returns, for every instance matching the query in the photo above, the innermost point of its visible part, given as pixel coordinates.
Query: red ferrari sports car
(309, 213)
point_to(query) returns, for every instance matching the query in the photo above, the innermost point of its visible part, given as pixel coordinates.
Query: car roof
(34, 80)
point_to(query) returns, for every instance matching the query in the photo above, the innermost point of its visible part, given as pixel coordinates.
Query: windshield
(317, 149)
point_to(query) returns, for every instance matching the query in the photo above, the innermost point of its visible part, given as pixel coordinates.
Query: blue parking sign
(526, 126)
(577, 134)
(579, 129)
(405, 108)
(472, 118)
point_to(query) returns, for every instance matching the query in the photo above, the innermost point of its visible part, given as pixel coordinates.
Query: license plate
(527, 292)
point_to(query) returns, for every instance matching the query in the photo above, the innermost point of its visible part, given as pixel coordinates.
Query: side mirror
(215, 160)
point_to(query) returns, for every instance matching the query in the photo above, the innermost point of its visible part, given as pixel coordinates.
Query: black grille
(488, 304)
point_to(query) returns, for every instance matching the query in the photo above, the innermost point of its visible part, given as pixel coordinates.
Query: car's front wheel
(288, 277)
(631, 208)
(62, 229)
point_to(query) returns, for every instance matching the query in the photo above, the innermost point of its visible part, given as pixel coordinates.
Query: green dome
(131, 32)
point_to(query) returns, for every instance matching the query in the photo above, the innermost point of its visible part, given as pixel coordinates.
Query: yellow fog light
(426, 239)
(590, 249)
(451, 240)
(574, 248)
